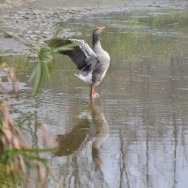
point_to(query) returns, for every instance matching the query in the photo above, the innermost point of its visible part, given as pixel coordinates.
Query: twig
(54, 176)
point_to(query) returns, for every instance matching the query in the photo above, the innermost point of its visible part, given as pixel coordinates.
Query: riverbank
(5, 4)
(35, 22)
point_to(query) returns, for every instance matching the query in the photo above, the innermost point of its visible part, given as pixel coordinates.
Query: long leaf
(32, 157)
(58, 31)
(47, 70)
(34, 72)
(38, 80)
(32, 150)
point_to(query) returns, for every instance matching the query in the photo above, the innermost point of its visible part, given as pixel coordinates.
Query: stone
(32, 36)
(29, 32)
(33, 56)
(46, 32)
(21, 12)
(6, 16)
(37, 32)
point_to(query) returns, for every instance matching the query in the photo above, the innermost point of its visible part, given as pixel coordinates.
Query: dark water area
(136, 133)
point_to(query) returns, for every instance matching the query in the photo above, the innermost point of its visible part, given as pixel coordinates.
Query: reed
(20, 164)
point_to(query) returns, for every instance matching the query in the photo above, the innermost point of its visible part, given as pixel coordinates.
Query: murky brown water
(136, 134)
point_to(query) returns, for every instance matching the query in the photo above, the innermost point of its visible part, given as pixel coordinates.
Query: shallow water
(136, 133)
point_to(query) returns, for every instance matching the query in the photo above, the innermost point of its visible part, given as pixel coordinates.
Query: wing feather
(81, 54)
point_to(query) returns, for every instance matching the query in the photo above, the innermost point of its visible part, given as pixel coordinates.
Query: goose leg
(93, 94)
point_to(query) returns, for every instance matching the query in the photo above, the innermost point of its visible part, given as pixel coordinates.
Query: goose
(94, 62)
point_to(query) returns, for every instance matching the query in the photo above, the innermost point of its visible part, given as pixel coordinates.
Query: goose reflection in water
(91, 126)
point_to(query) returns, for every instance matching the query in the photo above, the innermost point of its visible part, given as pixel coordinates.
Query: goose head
(96, 33)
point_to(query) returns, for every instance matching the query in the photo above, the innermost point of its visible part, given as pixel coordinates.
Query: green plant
(18, 160)
(46, 62)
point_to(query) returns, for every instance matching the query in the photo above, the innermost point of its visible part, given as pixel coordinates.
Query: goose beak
(101, 28)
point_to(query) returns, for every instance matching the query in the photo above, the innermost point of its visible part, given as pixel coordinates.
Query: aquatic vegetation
(16, 155)
(45, 62)
(20, 164)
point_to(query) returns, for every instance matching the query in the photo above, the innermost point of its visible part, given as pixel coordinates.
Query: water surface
(136, 133)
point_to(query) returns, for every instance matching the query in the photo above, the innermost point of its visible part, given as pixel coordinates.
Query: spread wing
(81, 54)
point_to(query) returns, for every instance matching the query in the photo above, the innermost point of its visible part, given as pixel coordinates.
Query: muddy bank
(111, 5)
(38, 21)
(4, 4)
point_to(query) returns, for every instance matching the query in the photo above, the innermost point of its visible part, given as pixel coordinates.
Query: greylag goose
(94, 62)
